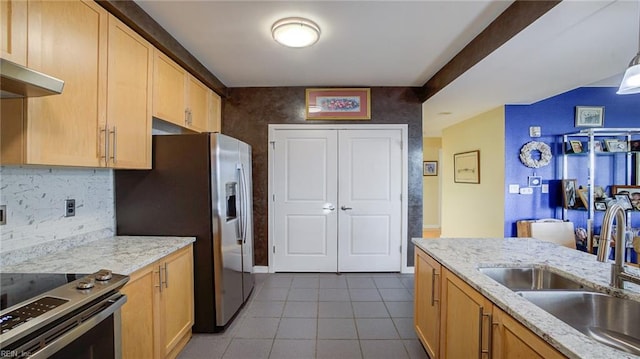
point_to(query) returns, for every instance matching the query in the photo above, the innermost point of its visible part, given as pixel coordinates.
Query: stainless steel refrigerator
(201, 186)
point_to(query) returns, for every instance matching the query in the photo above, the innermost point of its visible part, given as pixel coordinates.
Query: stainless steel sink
(609, 320)
(531, 278)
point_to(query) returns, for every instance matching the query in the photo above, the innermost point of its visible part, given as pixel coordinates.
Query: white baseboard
(408, 270)
(260, 269)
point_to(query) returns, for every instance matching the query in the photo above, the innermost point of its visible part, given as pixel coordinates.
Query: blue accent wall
(555, 116)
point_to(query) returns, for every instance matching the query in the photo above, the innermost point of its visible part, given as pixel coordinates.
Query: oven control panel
(27, 312)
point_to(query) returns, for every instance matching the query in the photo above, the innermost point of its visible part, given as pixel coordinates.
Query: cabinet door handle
(433, 286)
(481, 317)
(345, 208)
(159, 278)
(186, 116)
(166, 275)
(106, 144)
(114, 155)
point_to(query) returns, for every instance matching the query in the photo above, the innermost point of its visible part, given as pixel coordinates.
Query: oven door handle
(117, 301)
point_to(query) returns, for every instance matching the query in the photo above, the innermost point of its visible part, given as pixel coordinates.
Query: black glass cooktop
(18, 287)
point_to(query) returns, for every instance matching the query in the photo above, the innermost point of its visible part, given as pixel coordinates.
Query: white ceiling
(404, 43)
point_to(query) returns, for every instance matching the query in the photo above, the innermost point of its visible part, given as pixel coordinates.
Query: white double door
(337, 200)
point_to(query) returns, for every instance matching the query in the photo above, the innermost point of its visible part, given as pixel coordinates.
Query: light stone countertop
(464, 256)
(120, 254)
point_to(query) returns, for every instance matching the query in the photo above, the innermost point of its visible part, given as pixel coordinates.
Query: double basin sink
(607, 319)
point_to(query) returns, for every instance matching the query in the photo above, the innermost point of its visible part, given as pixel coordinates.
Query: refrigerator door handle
(243, 203)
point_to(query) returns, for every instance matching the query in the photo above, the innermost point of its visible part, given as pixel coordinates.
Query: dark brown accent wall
(248, 112)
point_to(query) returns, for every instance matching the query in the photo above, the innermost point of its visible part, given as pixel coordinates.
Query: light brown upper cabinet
(13, 29)
(67, 40)
(169, 90)
(180, 98)
(127, 132)
(215, 112)
(103, 116)
(197, 105)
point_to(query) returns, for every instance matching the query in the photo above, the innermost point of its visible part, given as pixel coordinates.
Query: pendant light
(631, 81)
(295, 32)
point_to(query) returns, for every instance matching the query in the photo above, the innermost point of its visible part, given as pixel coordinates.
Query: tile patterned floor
(306, 315)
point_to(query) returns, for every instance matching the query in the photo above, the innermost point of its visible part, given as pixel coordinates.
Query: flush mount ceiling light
(295, 32)
(631, 81)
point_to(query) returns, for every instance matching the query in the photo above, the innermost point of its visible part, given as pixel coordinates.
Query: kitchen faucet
(618, 275)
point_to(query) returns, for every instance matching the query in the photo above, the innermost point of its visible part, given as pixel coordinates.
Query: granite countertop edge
(463, 256)
(121, 254)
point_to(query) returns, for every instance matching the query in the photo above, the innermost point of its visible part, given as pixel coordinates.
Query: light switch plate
(535, 131)
(514, 188)
(545, 188)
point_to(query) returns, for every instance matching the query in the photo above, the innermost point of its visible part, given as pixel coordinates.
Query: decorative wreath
(545, 154)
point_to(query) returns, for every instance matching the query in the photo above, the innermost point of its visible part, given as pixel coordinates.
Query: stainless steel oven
(61, 315)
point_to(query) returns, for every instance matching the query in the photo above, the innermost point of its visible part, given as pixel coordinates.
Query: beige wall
(431, 184)
(475, 210)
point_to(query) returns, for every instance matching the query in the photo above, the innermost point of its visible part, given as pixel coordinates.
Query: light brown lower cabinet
(158, 315)
(513, 340)
(427, 302)
(462, 323)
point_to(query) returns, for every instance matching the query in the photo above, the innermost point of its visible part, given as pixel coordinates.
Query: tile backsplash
(35, 200)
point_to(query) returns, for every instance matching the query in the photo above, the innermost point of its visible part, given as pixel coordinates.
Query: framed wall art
(466, 167)
(338, 104)
(430, 168)
(589, 116)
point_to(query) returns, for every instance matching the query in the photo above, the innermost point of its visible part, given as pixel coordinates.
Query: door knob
(344, 208)
(329, 207)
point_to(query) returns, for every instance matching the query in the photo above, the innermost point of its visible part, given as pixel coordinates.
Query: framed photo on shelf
(634, 145)
(615, 145)
(589, 116)
(624, 200)
(633, 192)
(466, 167)
(576, 146)
(569, 193)
(583, 194)
(597, 146)
(637, 169)
(600, 205)
(430, 168)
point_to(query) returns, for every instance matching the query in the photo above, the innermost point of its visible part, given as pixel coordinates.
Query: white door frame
(404, 129)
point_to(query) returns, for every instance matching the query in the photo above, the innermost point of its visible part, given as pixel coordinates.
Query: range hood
(19, 81)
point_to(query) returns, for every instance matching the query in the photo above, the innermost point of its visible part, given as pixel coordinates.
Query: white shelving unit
(591, 135)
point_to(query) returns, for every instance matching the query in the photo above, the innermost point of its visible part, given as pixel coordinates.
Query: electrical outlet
(70, 207)
(526, 190)
(545, 188)
(514, 188)
(3, 215)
